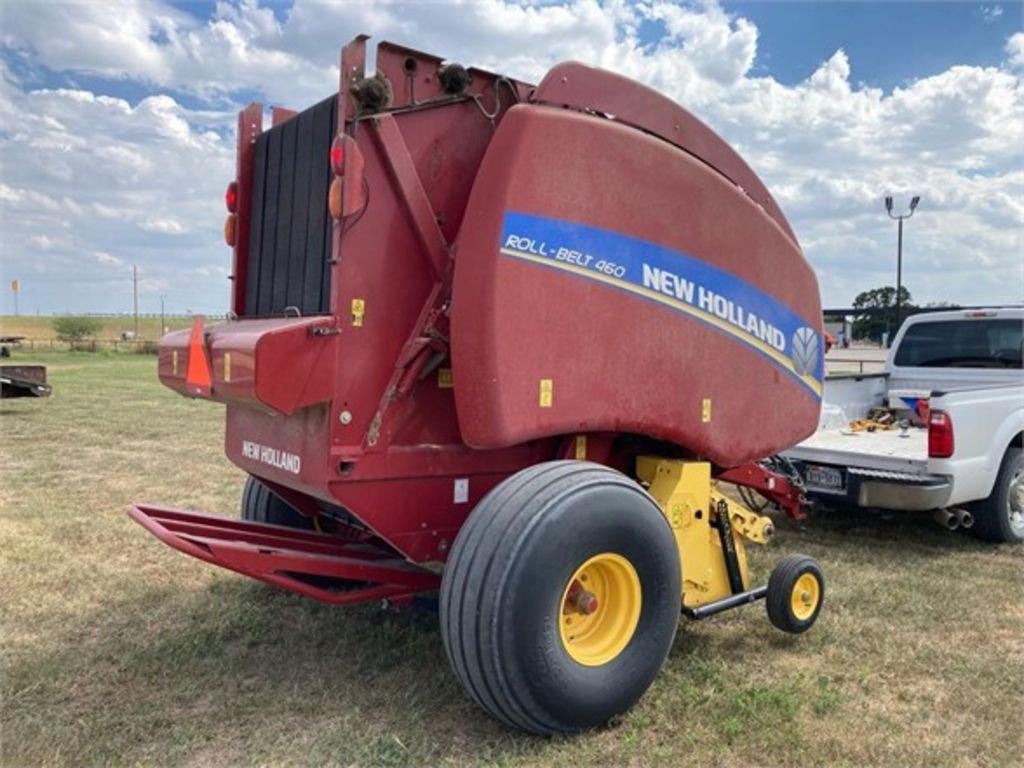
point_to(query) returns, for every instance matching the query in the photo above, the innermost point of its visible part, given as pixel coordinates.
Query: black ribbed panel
(289, 234)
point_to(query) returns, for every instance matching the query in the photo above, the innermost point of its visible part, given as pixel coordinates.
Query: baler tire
(261, 505)
(503, 596)
(781, 585)
(1000, 517)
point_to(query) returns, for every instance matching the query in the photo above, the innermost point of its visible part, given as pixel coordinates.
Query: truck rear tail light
(231, 197)
(230, 229)
(337, 156)
(940, 435)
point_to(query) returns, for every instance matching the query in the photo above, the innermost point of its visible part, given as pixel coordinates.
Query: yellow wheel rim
(805, 596)
(600, 609)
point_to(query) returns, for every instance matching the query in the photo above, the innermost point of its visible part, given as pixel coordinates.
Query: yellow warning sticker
(705, 410)
(227, 367)
(174, 362)
(444, 378)
(547, 393)
(358, 310)
(581, 447)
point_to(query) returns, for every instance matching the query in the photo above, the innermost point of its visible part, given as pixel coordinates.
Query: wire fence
(138, 346)
(125, 341)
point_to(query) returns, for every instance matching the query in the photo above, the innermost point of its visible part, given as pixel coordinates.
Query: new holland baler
(504, 341)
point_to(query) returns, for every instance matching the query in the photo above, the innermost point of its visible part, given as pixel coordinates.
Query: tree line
(872, 327)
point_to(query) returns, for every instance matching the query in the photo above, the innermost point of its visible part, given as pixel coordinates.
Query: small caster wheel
(796, 591)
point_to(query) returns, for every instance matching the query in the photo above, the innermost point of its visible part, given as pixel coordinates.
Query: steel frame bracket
(410, 189)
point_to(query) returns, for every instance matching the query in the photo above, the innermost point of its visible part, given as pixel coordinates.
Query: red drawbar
(771, 485)
(325, 567)
(198, 376)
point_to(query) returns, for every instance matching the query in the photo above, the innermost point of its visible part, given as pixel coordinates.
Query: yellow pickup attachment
(693, 506)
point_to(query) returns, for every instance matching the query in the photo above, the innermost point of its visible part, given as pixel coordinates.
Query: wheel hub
(585, 601)
(600, 609)
(805, 596)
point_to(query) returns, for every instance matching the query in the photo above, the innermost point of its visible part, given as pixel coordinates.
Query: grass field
(118, 651)
(40, 327)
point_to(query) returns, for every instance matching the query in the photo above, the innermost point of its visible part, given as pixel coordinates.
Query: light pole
(899, 251)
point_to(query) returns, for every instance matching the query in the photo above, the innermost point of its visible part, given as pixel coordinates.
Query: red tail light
(337, 157)
(231, 197)
(940, 435)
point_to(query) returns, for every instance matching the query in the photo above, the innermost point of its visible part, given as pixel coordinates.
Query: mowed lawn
(118, 651)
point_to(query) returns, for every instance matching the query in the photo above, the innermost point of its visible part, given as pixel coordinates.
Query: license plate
(823, 478)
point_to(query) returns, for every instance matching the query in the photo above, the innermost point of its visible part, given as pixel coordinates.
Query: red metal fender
(287, 557)
(577, 85)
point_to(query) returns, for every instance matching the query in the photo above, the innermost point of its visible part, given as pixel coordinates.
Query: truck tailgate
(892, 450)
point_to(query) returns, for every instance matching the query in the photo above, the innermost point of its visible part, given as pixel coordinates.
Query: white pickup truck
(952, 394)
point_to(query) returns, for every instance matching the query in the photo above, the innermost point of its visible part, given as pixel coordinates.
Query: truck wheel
(796, 591)
(259, 505)
(1000, 517)
(561, 597)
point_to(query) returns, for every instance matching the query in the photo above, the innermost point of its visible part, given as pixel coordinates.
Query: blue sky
(890, 43)
(116, 135)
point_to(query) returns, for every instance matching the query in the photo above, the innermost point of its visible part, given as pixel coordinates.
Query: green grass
(117, 650)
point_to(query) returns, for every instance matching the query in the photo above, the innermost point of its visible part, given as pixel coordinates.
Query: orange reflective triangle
(197, 376)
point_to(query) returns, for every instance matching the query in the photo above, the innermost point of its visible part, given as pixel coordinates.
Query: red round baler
(504, 341)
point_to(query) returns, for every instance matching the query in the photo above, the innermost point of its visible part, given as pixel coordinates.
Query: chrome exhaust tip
(964, 518)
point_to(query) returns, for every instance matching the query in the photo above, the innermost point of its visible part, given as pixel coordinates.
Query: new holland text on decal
(676, 280)
(273, 457)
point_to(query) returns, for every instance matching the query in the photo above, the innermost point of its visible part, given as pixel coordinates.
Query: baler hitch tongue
(316, 565)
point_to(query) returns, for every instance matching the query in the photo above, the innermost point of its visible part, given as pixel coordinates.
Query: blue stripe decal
(675, 280)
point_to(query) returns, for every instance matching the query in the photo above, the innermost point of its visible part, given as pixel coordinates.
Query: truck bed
(883, 450)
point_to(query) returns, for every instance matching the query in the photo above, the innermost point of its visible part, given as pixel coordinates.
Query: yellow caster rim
(600, 609)
(805, 596)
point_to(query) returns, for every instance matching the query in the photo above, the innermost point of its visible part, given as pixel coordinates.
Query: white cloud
(1015, 50)
(991, 13)
(43, 242)
(142, 180)
(152, 42)
(26, 199)
(102, 257)
(164, 226)
(90, 175)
